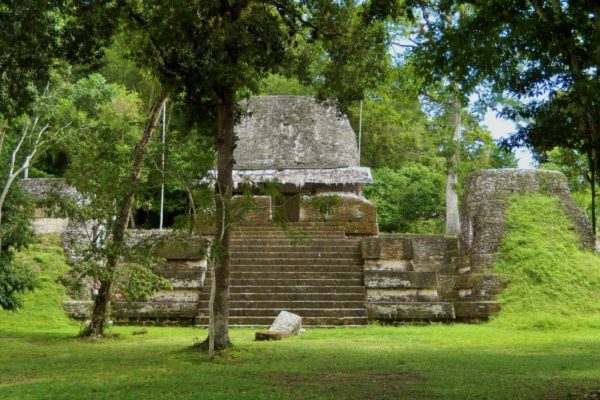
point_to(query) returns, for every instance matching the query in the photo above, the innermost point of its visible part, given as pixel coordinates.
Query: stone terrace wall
(416, 277)
(484, 205)
(403, 276)
(184, 266)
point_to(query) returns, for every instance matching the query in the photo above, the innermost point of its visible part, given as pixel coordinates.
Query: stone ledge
(476, 309)
(401, 280)
(410, 311)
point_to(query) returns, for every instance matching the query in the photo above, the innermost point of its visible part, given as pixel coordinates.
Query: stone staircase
(312, 270)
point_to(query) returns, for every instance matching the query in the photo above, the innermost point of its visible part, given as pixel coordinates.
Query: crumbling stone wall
(417, 277)
(184, 266)
(356, 214)
(484, 205)
(46, 218)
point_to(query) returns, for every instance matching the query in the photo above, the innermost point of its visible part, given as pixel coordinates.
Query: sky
(502, 128)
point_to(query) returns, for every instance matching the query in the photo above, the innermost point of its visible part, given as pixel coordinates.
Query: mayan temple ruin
(329, 265)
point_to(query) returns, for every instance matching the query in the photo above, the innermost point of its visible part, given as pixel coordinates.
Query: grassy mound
(554, 284)
(42, 309)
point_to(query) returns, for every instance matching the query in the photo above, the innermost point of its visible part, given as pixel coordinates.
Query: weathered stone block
(389, 265)
(357, 214)
(387, 248)
(43, 226)
(401, 295)
(180, 246)
(77, 309)
(446, 286)
(482, 286)
(258, 212)
(154, 310)
(410, 311)
(287, 324)
(397, 279)
(475, 309)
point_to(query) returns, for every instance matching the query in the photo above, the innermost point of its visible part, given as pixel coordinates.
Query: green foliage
(275, 84)
(42, 308)
(409, 199)
(542, 55)
(136, 282)
(395, 129)
(553, 282)
(34, 33)
(324, 204)
(571, 163)
(16, 231)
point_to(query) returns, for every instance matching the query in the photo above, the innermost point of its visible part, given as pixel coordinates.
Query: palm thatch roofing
(296, 140)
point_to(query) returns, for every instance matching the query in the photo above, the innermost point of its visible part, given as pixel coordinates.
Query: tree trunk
(102, 300)
(452, 213)
(223, 194)
(592, 181)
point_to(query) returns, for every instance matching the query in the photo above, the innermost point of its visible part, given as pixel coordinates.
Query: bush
(410, 199)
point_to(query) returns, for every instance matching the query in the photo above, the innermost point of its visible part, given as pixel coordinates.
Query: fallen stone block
(286, 324)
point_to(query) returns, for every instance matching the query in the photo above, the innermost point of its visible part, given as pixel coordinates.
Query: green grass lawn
(544, 345)
(430, 362)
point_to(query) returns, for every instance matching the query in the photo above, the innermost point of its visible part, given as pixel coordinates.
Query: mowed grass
(430, 362)
(508, 358)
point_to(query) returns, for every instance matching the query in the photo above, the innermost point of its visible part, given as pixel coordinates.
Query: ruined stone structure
(330, 266)
(309, 150)
(435, 277)
(46, 220)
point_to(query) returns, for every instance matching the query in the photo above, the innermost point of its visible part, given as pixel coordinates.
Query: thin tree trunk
(592, 181)
(219, 312)
(452, 213)
(102, 300)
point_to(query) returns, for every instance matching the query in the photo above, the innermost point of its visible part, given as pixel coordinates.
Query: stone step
(300, 296)
(309, 321)
(290, 234)
(314, 254)
(315, 248)
(292, 282)
(296, 268)
(303, 312)
(295, 289)
(289, 229)
(288, 242)
(260, 275)
(295, 261)
(290, 226)
(291, 304)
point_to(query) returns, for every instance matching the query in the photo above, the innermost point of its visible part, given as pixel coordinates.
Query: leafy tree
(33, 35)
(36, 33)
(112, 131)
(16, 234)
(22, 139)
(395, 130)
(410, 199)
(217, 50)
(542, 53)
